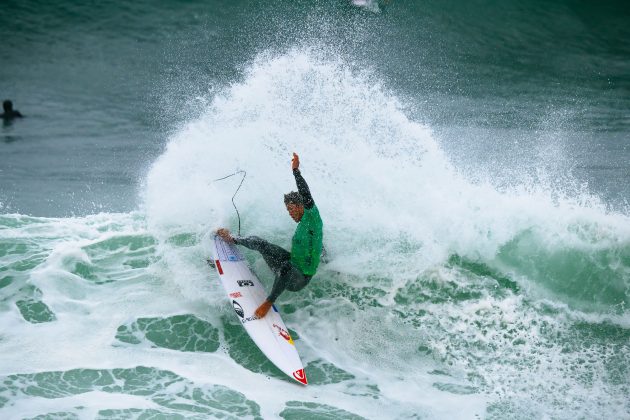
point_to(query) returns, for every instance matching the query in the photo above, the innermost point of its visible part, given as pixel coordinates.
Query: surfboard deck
(246, 293)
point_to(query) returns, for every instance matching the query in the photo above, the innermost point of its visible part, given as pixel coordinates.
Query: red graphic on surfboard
(284, 334)
(300, 376)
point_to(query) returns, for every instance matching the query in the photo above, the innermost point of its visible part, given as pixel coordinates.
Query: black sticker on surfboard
(243, 283)
(238, 309)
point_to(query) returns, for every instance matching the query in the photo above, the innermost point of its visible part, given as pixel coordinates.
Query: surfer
(293, 270)
(9, 112)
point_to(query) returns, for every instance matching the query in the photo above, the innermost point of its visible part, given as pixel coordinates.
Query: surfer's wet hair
(294, 197)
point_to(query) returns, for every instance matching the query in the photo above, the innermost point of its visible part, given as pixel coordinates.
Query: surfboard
(245, 293)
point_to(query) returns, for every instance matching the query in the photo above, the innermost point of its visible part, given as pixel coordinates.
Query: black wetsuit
(289, 270)
(9, 115)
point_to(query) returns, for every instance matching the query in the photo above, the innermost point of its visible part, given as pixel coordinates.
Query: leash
(235, 192)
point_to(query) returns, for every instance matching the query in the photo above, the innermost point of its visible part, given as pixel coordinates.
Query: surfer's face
(296, 211)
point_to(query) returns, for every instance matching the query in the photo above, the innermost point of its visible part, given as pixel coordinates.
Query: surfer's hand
(295, 163)
(263, 309)
(225, 235)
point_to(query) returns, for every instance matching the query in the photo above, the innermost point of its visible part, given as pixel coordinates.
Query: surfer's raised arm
(301, 183)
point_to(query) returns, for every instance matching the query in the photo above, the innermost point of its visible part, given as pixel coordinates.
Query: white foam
(393, 205)
(380, 180)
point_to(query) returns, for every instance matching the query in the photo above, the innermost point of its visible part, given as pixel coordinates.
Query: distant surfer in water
(9, 112)
(293, 269)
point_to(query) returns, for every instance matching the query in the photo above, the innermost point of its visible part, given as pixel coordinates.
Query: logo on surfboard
(249, 318)
(300, 376)
(243, 283)
(284, 334)
(236, 295)
(238, 309)
(241, 313)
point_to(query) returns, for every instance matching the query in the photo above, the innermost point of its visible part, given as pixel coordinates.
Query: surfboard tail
(300, 376)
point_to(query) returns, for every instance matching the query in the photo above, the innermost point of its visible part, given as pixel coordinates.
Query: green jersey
(306, 246)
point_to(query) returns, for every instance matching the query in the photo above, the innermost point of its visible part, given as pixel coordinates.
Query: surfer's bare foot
(225, 235)
(263, 309)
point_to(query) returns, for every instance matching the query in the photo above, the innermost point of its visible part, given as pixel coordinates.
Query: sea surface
(470, 160)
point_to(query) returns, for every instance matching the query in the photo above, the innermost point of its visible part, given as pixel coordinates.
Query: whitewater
(443, 296)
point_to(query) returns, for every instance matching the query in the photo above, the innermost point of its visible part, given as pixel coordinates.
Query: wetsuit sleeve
(303, 189)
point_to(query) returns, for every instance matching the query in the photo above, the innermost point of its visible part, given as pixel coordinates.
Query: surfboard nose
(300, 376)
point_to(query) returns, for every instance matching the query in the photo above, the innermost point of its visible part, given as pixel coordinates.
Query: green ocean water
(470, 161)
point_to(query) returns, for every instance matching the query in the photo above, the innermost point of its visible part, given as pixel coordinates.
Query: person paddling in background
(9, 112)
(293, 270)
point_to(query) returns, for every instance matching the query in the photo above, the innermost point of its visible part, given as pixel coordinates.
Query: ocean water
(471, 162)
